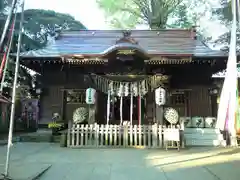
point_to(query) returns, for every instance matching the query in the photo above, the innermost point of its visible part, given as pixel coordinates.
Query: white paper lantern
(90, 96)
(160, 96)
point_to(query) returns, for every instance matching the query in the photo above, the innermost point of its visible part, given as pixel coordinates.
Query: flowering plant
(56, 123)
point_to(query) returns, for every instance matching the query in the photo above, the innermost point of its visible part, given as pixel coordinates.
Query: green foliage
(128, 13)
(157, 14)
(39, 27)
(224, 14)
(181, 18)
(121, 13)
(37, 19)
(3, 5)
(40, 24)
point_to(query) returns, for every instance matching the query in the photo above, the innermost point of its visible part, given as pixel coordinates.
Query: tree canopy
(40, 26)
(157, 14)
(128, 13)
(224, 14)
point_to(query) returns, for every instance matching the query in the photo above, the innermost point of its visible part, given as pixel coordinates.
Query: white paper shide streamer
(110, 91)
(120, 94)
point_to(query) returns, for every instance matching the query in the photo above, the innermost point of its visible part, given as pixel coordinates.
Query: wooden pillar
(64, 97)
(63, 105)
(159, 114)
(108, 107)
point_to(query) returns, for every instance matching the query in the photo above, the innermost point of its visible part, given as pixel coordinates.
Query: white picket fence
(97, 136)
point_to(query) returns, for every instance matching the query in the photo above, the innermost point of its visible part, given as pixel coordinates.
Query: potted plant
(56, 124)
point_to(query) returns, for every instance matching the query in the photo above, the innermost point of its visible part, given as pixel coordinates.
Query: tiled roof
(153, 42)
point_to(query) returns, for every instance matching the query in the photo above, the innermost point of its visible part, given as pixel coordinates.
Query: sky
(88, 13)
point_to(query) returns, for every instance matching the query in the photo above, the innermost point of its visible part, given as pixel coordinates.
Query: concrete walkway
(123, 164)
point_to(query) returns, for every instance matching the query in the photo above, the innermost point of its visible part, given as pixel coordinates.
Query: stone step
(201, 131)
(204, 136)
(205, 142)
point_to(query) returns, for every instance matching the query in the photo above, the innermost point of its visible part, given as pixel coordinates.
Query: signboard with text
(171, 134)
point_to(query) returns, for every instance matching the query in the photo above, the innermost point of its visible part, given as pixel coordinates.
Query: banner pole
(14, 93)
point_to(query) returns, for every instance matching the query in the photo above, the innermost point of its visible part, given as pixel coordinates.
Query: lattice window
(76, 96)
(178, 99)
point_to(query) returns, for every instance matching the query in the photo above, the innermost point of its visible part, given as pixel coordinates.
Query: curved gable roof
(153, 42)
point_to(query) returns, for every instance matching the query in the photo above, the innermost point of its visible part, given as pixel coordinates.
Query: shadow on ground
(127, 164)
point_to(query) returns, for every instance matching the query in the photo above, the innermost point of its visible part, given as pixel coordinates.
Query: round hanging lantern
(90, 96)
(80, 115)
(171, 115)
(160, 96)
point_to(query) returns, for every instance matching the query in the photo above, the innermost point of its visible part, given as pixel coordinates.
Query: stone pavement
(123, 164)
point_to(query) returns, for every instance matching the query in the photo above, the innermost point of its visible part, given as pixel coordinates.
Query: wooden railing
(94, 136)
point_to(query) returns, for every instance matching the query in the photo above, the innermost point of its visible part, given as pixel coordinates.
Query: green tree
(40, 26)
(3, 5)
(128, 13)
(157, 14)
(179, 18)
(224, 14)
